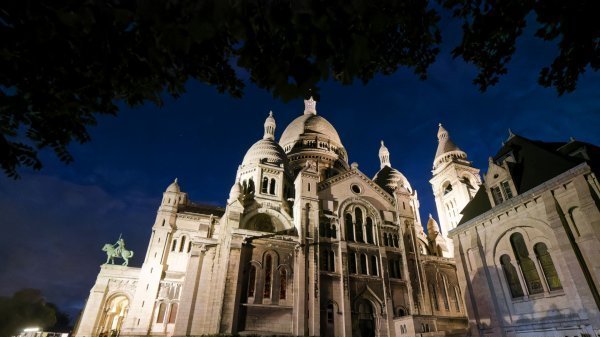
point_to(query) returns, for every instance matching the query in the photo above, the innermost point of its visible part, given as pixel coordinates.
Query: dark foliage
(64, 62)
(26, 308)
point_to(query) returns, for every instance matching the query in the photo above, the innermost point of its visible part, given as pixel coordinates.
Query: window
(265, 185)
(359, 225)
(330, 313)
(374, 269)
(173, 313)
(448, 189)
(506, 189)
(532, 279)
(331, 261)
(251, 281)
(510, 272)
(497, 195)
(369, 229)
(434, 298)
(385, 239)
(352, 262)
(268, 274)
(182, 244)
(282, 284)
(349, 228)
(541, 252)
(272, 187)
(394, 268)
(363, 264)
(189, 246)
(443, 286)
(174, 246)
(161, 313)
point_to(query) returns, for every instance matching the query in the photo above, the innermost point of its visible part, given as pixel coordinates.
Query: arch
(252, 280)
(264, 186)
(283, 283)
(402, 311)
(446, 187)
(528, 269)
(272, 186)
(363, 264)
(365, 317)
(114, 314)
(369, 230)
(358, 221)
(434, 297)
(162, 310)
(278, 220)
(173, 313)
(349, 227)
(174, 245)
(444, 289)
(385, 239)
(268, 275)
(352, 262)
(545, 260)
(374, 266)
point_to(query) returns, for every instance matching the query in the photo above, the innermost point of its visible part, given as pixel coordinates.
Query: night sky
(55, 221)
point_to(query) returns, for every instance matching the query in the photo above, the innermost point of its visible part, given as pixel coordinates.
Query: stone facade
(528, 244)
(306, 245)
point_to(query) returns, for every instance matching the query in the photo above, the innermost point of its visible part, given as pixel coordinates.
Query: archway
(366, 319)
(113, 316)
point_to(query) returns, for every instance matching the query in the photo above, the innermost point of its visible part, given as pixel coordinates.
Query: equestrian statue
(117, 250)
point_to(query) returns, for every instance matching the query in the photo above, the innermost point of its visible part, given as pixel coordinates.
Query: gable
(343, 186)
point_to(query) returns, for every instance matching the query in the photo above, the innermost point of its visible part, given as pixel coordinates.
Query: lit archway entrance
(366, 319)
(113, 317)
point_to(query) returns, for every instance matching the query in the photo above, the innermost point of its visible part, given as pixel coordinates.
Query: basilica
(307, 245)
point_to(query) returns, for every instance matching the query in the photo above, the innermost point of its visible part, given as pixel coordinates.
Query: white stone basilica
(307, 245)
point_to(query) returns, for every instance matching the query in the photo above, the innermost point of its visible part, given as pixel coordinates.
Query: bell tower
(455, 182)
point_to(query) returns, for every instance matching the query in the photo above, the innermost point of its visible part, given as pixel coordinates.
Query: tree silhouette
(64, 62)
(26, 308)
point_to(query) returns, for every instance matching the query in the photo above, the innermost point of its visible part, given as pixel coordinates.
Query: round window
(356, 189)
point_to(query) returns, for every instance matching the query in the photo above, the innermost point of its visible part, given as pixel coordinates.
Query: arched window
(543, 256)
(374, 269)
(162, 308)
(448, 188)
(352, 262)
(330, 313)
(189, 246)
(251, 281)
(325, 260)
(456, 298)
(268, 275)
(182, 245)
(323, 229)
(434, 297)
(510, 272)
(396, 243)
(173, 313)
(402, 312)
(272, 187)
(349, 227)
(443, 286)
(333, 232)
(265, 185)
(385, 239)
(174, 245)
(369, 229)
(359, 224)
(245, 186)
(363, 264)
(250, 186)
(532, 279)
(282, 284)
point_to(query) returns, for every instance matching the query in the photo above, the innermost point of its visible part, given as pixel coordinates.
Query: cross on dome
(310, 106)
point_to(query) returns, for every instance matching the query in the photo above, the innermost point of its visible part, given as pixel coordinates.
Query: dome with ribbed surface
(307, 125)
(265, 151)
(391, 179)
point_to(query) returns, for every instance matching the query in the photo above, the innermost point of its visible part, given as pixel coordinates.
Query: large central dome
(312, 138)
(306, 125)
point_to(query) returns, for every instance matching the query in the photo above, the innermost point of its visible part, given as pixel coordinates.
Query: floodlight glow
(34, 329)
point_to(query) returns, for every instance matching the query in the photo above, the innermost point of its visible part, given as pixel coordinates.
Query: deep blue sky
(56, 220)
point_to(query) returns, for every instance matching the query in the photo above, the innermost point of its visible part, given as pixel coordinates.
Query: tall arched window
(352, 262)
(325, 260)
(162, 308)
(510, 272)
(189, 246)
(369, 229)
(374, 269)
(443, 286)
(331, 261)
(363, 264)
(385, 239)
(543, 256)
(268, 275)
(173, 313)
(282, 284)
(174, 245)
(272, 187)
(532, 279)
(359, 224)
(250, 186)
(396, 243)
(251, 281)
(265, 185)
(182, 245)
(434, 297)
(456, 298)
(349, 227)
(333, 232)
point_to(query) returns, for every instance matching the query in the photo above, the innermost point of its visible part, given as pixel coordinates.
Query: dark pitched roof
(206, 209)
(535, 163)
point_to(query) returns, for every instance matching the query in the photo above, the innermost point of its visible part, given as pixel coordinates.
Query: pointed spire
(384, 156)
(445, 145)
(310, 106)
(433, 229)
(270, 127)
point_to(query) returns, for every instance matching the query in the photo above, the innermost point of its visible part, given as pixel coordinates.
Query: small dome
(432, 226)
(265, 150)
(174, 187)
(391, 179)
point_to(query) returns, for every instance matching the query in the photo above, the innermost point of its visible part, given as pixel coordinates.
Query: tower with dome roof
(455, 182)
